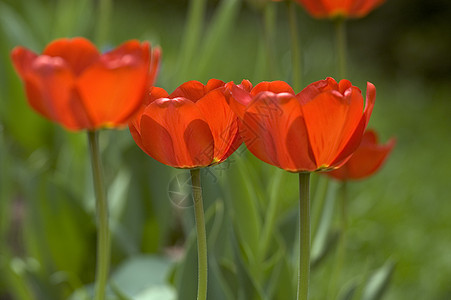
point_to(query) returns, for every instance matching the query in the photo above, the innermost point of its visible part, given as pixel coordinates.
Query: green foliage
(47, 220)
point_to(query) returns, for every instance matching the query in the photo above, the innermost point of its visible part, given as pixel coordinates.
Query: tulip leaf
(217, 34)
(320, 240)
(244, 210)
(378, 283)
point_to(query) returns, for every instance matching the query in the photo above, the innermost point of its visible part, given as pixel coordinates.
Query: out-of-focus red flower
(366, 160)
(190, 128)
(317, 129)
(71, 83)
(339, 8)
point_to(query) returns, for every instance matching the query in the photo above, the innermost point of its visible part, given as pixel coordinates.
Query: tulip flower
(191, 128)
(315, 130)
(71, 83)
(366, 160)
(339, 8)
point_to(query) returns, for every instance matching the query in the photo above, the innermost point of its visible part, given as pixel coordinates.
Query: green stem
(295, 49)
(103, 232)
(105, 8)
(340, 40)
(341, 248)
(201, 235)
(304, 236)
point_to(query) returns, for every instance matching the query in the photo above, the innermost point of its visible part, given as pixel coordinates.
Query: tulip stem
(304, 236)
(340, 39)
(201, 236)
(295, 49)
(103, 233)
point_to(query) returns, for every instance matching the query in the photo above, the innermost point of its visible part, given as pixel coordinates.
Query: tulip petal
(269, 122)
(272, 86)
(331, 120)
(370, 100)
(79, 53)
(192, 90)
(50, 90)
(154, 65)
(174, 132)
(315, 88)
(239, 100)
(222, 121)
(355, 140)
(366, 160)
(22, 59)
(113, 88)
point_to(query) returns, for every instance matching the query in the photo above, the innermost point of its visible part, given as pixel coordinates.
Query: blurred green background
(47, 221)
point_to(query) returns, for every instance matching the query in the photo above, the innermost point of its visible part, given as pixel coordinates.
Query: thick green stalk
(304, 236)
(340, 40)
(103, 231)
(295, 49)
(201, 236)
(104, 16)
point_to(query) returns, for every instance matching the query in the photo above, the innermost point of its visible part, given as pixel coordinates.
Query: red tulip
(71, 83)
(366, 160)
(339, 8)
(317, 129)
(190, 128)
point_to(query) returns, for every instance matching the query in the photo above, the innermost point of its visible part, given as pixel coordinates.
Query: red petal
(316, 88)
(239, 100)
(270, 123)
(113, 89)
(222, 121)
(213, 84)
(79, 53)
(174, 132)
(368, 158)
(22, 59)
(192, 90)
(50, 90)
(154, 65)
(272, 86)
(154, 94)
(370, 100)
(331, 120)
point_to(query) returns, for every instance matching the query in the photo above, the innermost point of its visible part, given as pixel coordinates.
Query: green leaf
(144, 277)
(216, 37)
(379, 282)
(322, 241)
(243, 199)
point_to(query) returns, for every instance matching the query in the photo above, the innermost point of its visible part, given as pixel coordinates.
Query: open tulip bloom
(339, 8)
(317, 129)
(191, 128)
(73, 84)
